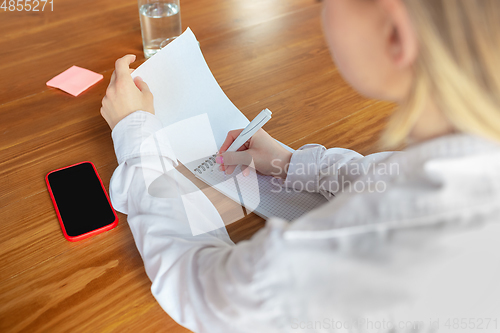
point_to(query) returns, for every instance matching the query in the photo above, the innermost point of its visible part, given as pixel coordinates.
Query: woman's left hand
(125, 95)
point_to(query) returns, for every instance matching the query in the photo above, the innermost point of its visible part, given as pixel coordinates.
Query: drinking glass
(160, 23)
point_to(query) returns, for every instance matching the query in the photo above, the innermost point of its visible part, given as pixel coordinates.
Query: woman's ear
(401, 38)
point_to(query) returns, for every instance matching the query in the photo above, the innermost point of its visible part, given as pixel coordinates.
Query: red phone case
(90, 233)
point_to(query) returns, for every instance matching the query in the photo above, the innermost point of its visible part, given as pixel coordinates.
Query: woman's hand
(125, 95)
(261, 152)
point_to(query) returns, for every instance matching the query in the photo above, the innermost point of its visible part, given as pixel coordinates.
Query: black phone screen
(80, 198)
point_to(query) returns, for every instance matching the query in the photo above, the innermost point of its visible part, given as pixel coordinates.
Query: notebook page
(260, 194)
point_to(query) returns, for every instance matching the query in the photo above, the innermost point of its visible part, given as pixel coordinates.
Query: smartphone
(80, 200)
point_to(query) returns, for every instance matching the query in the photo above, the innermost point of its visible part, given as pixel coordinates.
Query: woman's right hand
(261, 152)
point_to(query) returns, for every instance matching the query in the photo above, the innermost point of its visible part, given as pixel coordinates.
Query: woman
(420, 255)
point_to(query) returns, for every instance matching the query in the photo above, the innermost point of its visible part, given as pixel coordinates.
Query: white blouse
(408, 240)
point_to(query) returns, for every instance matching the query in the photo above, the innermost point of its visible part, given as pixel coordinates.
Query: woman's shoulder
(452, 147)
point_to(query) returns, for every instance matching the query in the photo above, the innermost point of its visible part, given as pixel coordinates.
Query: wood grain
(263, 53)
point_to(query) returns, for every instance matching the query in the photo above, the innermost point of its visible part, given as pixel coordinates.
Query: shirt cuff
(303, 171)
(132, 131)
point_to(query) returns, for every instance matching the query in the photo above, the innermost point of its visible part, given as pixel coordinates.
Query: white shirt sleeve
(202, 281)
(328, 171)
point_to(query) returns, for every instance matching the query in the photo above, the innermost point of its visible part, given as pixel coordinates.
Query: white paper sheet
(183, 87)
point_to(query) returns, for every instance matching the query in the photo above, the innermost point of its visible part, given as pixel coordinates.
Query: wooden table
(264, 53)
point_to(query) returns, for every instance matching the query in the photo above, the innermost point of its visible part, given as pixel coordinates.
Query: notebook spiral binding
(210, 162)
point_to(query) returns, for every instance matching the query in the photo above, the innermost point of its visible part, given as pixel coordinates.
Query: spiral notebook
(197, 116)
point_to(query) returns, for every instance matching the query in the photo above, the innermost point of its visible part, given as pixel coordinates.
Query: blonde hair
(458, 67)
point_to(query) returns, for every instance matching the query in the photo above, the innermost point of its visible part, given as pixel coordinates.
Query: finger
(230, 169)
(113, 78)
(245, 170)
(143, 86)
(231, 136)
(245, 145)
(235, 158)
(122, 66)
(131, 70)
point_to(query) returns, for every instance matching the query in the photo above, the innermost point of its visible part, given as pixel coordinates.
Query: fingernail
(219, 159)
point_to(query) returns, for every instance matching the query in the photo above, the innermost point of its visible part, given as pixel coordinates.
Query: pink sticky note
(75, 80)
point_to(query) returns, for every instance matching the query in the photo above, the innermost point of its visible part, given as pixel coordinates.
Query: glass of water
(160, 23)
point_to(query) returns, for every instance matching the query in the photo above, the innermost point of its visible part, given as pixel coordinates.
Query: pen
(251, 129)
